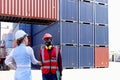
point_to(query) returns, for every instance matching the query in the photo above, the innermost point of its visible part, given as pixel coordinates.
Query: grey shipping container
(101, 35)
(86, 57)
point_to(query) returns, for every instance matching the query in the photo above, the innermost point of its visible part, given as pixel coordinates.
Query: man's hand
(39, 63)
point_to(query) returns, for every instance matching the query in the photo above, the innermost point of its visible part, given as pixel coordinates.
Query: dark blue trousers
(49, 77)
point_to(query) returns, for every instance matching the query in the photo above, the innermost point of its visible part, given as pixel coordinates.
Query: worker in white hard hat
(50, 57)
(23, 55)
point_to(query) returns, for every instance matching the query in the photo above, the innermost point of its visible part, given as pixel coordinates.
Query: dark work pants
(49, 77)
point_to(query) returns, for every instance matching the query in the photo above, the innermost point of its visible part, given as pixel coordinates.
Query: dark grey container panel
(86, 12)
(69, 10)
(36, 50)
(53, 29)
(36, 29)
(24, 27)
(86, 34)
(86, 57)
(101, 35)
(101, 14)
(69, 56)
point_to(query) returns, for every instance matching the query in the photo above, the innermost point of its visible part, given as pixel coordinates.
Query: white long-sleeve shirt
(17, 52)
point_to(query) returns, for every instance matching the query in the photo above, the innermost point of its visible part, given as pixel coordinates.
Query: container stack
(101, 34)
(81, 31)
(29, 11)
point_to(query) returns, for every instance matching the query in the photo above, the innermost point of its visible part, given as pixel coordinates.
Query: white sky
(114, 20)
(114, 26)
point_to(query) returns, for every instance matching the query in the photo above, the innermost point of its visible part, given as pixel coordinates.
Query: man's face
(48, 41)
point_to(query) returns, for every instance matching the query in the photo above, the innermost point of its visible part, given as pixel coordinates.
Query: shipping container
(101, 57)
(102, 1)
(8, 36)
(36, 29)
(31, 11)
(101, 14)
(86, 34)
(63, 33)
(22, 26)
(9, 44)
(53, 29)
(69, 10)
(36, 50)
(86, 13)
(101, 35)
(86, 57)
(69, 56)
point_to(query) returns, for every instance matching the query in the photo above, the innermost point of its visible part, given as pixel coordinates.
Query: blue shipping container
(101, 35)
(86, 57)
(36, 50)
(53, 29)
(69, 56)
(101, 12)
(102, 1)
(69, 10)
(25, 27)
(86, 34)
(86, 12)
(9, 36)
(36, 29)
(62, 32)
(8, 44)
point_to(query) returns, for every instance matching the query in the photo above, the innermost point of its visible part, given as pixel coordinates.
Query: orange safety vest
(49, 64)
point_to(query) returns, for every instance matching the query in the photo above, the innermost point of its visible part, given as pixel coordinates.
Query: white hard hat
(19, 34)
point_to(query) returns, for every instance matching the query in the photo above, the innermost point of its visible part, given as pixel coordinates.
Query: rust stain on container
(22, 10)
(101, 57)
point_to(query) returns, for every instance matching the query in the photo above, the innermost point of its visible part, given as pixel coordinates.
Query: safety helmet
(47, 35)
(19, 34)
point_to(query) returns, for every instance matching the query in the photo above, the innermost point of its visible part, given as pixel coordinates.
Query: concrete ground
(110, 73)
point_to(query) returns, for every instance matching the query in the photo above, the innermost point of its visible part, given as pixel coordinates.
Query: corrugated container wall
(69, 10)
(86, 57)
(101, 57)
(101, 35)
(102, 1)
(24, 10)
(86, 13)
(58, 30)
(70, 56)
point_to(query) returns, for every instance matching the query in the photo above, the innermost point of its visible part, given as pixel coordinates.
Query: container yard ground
(110, 73)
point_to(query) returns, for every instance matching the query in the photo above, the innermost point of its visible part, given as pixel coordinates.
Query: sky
(113, 24)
